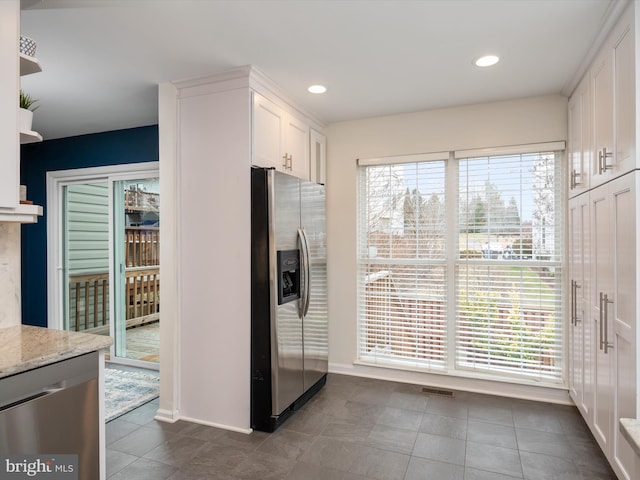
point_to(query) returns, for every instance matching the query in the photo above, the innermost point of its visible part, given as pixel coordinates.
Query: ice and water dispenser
(288, 276)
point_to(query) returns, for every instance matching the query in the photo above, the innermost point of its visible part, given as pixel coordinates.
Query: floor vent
(438, 391)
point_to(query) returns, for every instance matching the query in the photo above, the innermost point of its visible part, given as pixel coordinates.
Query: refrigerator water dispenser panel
(288, 276)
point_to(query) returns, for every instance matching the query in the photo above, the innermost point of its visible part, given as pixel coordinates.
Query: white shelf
(29, 65)
(30, 137)
(21, 214)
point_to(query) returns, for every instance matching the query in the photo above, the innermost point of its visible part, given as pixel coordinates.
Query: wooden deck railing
(142, 291)
(418, 323)
(89, 302)
(89, 299)
(142, 246)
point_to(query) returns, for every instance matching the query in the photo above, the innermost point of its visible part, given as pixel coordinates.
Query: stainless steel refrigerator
(289, 326)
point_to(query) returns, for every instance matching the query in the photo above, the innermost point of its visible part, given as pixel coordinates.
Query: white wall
(522, 121)
(214, 242)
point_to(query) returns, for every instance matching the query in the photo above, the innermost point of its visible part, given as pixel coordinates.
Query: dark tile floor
(358, 429)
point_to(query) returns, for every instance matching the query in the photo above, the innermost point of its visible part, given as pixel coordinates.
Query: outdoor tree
(543, 218)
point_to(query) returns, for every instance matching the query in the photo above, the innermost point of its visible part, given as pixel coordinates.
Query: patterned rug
(125, 390)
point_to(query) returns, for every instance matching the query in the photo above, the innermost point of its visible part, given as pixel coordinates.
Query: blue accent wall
(109, 148)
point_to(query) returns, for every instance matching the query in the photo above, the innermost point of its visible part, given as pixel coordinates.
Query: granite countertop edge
(24, 347)
(630, 428)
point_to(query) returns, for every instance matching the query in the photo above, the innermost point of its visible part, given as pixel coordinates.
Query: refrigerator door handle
(304, 273)
(307, 274)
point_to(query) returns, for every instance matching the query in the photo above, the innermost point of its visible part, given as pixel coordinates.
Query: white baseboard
(217, 425)
(559, 395)
(168, 416)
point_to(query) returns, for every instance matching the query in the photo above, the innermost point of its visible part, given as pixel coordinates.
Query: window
(460, 263)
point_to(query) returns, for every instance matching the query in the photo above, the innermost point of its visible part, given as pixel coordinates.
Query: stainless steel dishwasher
(54, 410)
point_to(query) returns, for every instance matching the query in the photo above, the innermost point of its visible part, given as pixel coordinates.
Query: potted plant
(27, 107)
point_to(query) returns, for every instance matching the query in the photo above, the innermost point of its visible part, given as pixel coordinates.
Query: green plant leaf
(27, 101)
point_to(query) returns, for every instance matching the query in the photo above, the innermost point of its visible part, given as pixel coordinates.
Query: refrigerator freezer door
(286, 328)
(316, 335)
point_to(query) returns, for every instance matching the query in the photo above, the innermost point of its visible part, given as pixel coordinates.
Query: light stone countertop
(630, 428)
(24, 347)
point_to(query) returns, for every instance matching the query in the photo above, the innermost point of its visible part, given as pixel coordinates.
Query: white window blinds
(508, 288)
(402, 264)
(490, 236)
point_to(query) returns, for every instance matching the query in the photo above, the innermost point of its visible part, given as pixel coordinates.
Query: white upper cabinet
(602, 81)
(625, 100)
(579, 144)
(268, 129)
(317, 156)
(296, 142)
(280, 139)
(613, 93)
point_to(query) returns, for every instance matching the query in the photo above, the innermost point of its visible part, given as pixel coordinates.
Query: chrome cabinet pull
(575, 175)
(574, 302)
(603, 166)
(606, 343)
(288, 161)
(601, 335)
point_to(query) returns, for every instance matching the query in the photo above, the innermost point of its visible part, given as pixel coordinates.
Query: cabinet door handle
(575, 302)
(284, 163)
(574, 178)
(601, 321)
(290, 162)
(603, 166)
(606, 343)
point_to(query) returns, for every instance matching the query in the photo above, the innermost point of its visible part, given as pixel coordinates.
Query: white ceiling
(102, 60)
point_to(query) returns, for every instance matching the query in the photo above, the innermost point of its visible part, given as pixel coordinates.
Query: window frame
(452, 259)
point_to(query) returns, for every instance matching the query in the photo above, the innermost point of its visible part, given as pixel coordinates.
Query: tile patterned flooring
(359, 429)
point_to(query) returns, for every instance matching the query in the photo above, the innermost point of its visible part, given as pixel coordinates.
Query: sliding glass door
(136, 227)
(107, 260)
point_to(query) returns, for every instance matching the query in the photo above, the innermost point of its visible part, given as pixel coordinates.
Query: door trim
(55, 180)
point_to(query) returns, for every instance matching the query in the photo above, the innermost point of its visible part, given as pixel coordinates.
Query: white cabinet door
(9, 146)
(296, 147)
(613, 308)
(580, 333)
(602, 84)
(621, 315)
(317, 157)
(601, 268)
(280, 139)
(268, 127)
(614, 104)
(579, 145)
(625, 101)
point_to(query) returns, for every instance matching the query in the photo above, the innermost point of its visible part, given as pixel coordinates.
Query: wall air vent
(438, 391)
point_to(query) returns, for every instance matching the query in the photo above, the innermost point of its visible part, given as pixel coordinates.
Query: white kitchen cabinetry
(11, 210)
(603, 235)
(579, 152)
(612, 302)
(613, 93)
(317, 157)
(280, 139)
(225, 122)
(581, 346)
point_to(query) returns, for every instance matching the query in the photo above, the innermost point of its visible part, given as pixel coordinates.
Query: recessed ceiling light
(317, 89)
(487, 60)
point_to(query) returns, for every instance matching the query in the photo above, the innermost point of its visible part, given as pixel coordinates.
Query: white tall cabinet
(213, 129)
(603, 236)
